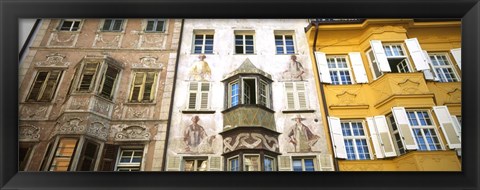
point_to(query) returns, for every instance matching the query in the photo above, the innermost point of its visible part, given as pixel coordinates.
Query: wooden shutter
(404, 128)
(380, 55)
(384, 135)
(204, 95)
(457, 55)
(417, 54)
(458, 126)
(109, 157)
(377, 145)
(51, 85)
(136, 88)
(289, 89)
(429, 74)
(301, 95)
(337, 137)
(192, 95)
(322, 67)
(326, 162)
(174, 163)
(447, 125)
(88, 76)
(215, 163)
(108, 83)
(148, 89)
(358, 67)
(37, 85)
(284, 163)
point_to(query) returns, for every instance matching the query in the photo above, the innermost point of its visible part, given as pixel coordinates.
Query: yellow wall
(409, 90)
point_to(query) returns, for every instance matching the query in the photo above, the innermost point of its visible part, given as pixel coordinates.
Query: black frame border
(12, 10)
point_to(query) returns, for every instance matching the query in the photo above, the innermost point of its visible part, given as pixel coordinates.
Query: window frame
(395, 134)
(195, 163)
(229, 164)
(198, 96)
(155, 25)
(130, 165)
(141, 92)
(230, 95)
(423, 127)
(70, 29)
(44, 85)
(338, 70)
(104, 76)
(112, 24)
(302, 160)
(243, 33)
(354, 139)
(54, 153)
(284, 44)
(259, 163)
(448, 66)
(203, 46)
(274, 163)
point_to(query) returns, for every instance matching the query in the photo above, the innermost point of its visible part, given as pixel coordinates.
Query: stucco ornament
(133, 133)
(29, 133)
(54, 60)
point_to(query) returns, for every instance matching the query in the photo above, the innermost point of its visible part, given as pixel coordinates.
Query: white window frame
(230, 95)
(302, 160)
(259, 162)
(155, 24)
(141, 92)
(266, 95)
(284, 44)
(110, 28)
(71, 28)
(204, 35)
(44, 86)
(404, 56)
(244, 94)
(396, 135)
(195, 163)
(337, 69)
(130, 165)
(357, 137)
(244, 44)
(274, 162)
(441, 76)
(296, 96)
(373, 63)
(229, 166)
(422, 128)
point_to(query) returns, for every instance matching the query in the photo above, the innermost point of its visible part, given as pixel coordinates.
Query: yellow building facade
(391, 92)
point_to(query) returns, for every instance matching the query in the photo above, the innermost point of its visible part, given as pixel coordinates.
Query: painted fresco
(196, 135)
(302, 135)
(200, 70)
(294, 71)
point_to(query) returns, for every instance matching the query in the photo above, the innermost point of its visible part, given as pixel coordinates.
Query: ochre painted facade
(372, 95)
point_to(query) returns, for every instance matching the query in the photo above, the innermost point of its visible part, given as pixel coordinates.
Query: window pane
(297, 165)
(309, 165)
(150, 25)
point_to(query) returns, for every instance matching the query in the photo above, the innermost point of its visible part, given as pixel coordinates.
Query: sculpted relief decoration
(99, 130)
(148, 62)
(62, 39)
(152, 41)
(53, 60)
(34, 112)
(28, 133)
(133, 133)
(103, 40)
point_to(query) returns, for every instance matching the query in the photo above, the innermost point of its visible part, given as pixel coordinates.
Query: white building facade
(245, 99)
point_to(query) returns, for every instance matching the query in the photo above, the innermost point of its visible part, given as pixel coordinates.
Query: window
(396, 135)
(423, 130)
(108, 83)
(198, 96)
(443, 68)
(88, 75)
(143, 87)
(129, 159)
(191, 164)
(24, 152)
(264, 93)
(251, 163)
(244, 43)
(339, 70)
(249, 91)
(234, 91)
(284, 44)
(70, 25)
(203, 43)
(112, 25)
(88, 156)
(233, 164)
(268, 163)
(303, 164)
(155, 25)
(44, 86)
(355, 140)
(396, 59)
(63, 154)
(296, 95)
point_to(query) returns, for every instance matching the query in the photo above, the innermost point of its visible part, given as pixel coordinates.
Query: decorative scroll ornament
(72, 126)
(133, 133)
(54, 60)
(99, 130)
(148, 62)
(29, 133)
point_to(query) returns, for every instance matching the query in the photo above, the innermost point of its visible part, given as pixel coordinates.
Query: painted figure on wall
(194, 135)
(301, 137)
(295, 70)
(200, 70)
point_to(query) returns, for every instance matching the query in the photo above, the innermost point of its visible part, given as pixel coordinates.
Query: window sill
(199, 111)
(140, 103)
(298, 111)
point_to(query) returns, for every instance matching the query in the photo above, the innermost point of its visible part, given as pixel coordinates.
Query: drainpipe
(169, 122)
(322, 92)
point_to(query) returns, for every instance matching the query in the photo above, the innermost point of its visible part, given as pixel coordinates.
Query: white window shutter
(326, 162)
(358, 67)
(447, 125)
(284, 163)
(417, 55)
(192, 95)
(404, 128)
(204, 95)
(301, 94)
(290, 92)
(375, 139)
(174, 163)
(337, 137)
(458, 126)
(429, 74)
(322, 67)
(385, 136)
(215, 163)
(380, 55)
(457, 55)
